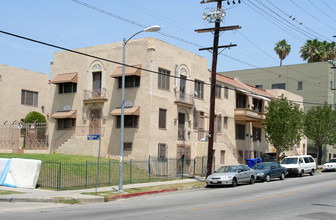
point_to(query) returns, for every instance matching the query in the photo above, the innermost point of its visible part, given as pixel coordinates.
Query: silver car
(232, 175)
(330, 166)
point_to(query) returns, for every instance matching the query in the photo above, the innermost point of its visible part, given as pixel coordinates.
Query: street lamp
(153, 28)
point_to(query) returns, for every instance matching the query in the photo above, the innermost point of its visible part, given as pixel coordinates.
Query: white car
(232, 175)
(299, 165)
(330, 166)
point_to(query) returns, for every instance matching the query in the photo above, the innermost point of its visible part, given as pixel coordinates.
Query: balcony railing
(184, 98)
(244, 114)
(95, 95)
(181, 134)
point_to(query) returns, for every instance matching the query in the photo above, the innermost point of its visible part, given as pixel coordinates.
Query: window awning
(135, 110)
(129, 71)
(64, 114)
(65, 77)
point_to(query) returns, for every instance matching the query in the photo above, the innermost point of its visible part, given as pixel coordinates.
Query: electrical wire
(318, 8)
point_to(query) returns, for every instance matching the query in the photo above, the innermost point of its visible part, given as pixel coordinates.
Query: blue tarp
(252, 162)
(4, 173)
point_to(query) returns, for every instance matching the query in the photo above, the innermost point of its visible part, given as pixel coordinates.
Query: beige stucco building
(21, 91)
(167, 105)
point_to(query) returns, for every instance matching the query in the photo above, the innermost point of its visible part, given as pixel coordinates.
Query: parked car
(232, 175)
(268, 170)
(330, 166)
(299, 165)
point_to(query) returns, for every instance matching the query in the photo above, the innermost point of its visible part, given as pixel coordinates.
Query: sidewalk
(41, 195)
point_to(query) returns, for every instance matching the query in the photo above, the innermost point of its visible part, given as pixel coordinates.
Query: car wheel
(234, 182)
(268, 178)
(312, 172)
(251, 180)
(282, 177)
(301, 174)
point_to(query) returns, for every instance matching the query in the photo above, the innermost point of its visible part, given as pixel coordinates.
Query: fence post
(86, 174)
(194, 167)
(149, 171)
(202, 165)
(167, 168)
(130, 170)
(59, 177)
(109, 172)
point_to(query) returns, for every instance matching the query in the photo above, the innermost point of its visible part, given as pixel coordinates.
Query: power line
(312, 15)
(318, 8)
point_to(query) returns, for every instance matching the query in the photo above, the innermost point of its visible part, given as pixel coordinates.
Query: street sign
(93, 137)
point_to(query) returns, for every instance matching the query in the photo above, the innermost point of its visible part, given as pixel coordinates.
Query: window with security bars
(130, 81)
(130, 121)
(66, 123)
(256, 134)
(128, 145)
(162, 151)
(226, 122)
(163, 79)
(67, 87)
(29, 98)
(226, 92)
(279, 86)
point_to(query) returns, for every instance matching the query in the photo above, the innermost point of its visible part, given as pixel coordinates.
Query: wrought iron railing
(95, 94)
(181, 134)
(185, 98)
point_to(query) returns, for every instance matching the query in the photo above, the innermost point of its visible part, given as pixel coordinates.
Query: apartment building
(21, 91)
(167, 98)
(315, 82)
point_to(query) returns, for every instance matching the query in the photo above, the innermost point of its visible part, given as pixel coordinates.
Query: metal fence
(79, 175)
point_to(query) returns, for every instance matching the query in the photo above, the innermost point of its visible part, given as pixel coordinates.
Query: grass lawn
(7, 192)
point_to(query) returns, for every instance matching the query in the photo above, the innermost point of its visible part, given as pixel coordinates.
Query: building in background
(315, 82)
(21, 92)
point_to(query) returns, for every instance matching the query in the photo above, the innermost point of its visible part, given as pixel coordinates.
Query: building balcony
(248, 115)
(94, 96)
(184, 99)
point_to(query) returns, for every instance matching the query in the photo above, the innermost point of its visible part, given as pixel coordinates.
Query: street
(309, 197)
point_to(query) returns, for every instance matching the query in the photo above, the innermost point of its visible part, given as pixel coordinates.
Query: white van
(299, 165)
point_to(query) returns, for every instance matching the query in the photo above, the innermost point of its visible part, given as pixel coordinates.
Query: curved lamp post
(153, 28)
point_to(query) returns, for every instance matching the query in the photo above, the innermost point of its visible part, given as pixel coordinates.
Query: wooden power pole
(215, 16)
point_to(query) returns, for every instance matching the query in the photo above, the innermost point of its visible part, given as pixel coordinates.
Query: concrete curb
(128, 195)
(54, 199)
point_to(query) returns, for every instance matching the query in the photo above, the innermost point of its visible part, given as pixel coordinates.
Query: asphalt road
(309, 197)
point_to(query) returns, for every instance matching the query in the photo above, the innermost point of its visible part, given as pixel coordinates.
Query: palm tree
(327, 51)
(311, 51)
(282, 49)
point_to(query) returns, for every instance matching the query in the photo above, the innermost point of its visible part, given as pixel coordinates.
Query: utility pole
(214, 16)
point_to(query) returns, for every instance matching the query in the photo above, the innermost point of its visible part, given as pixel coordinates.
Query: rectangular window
(259, 86)
(130, 81)
(196, 118)
(256, 134)
(66, 123)
(199, 89)
(218, 91)
(67, 87)
(162, 118)
(222, 157)
(130, 121)
(226, 92)
(240, 100)
(240, 132)
(218, 121)
(331, 85)
(163, 79)
(300, 85)
(162, 151)
(257, 105)
(279, 86)
(128, 145)
(226, 122)
(29, 98)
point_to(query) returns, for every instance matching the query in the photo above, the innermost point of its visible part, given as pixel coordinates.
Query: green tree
(320, 126)
(282, 49)
(283, 124)
(35, 117)
(327, 51)
(311, 51)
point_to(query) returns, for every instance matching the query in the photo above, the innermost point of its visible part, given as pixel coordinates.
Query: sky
(72, 25)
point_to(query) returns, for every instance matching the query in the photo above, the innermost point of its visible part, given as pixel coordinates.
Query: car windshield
(332, 160)
(227, 169)
(262, 166)
(289, 161)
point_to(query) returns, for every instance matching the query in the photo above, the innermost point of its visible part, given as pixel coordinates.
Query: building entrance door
(95, 121)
